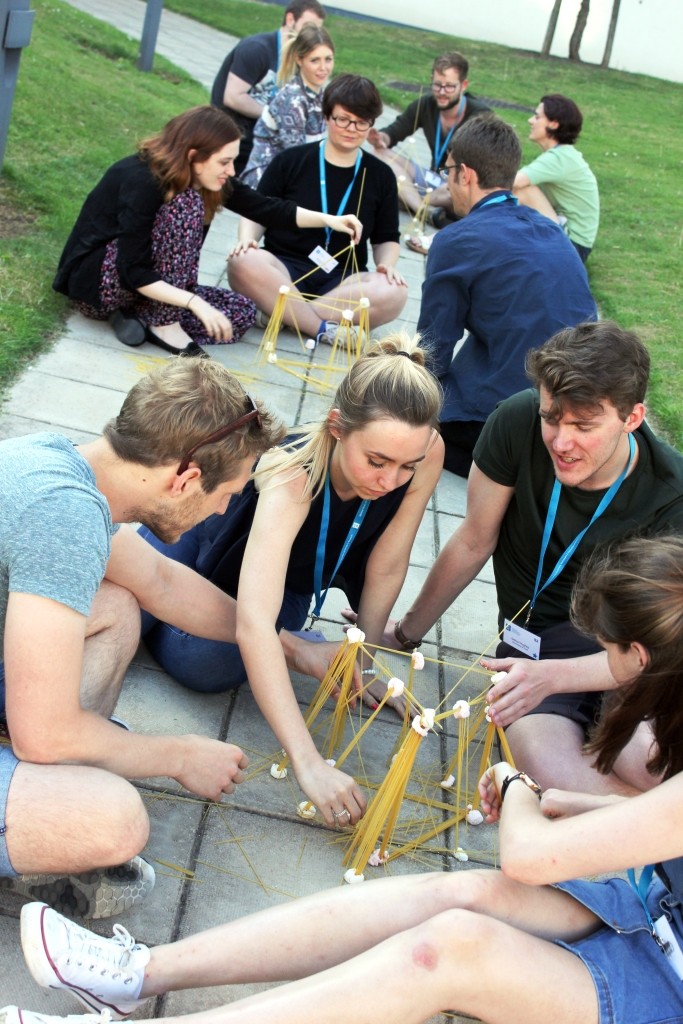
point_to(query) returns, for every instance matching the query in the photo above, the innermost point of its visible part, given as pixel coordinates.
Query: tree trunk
(614, 17)
(550, 31)
(577, 34)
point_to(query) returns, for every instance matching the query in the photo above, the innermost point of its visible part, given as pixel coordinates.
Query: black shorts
(563, 641)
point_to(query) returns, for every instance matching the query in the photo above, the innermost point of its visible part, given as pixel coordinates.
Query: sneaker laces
(115, 952)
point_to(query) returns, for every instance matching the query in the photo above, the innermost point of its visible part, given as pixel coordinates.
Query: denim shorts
(8, 763)
(633, 979)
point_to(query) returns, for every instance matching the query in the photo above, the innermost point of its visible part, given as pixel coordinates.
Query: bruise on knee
(425, 955)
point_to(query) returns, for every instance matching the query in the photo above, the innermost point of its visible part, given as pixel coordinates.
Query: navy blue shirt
(511, 278)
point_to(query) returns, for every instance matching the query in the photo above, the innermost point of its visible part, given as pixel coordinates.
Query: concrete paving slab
(216, 862)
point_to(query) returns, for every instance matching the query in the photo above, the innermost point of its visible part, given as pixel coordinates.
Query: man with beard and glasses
(72, 581)
(440, 113)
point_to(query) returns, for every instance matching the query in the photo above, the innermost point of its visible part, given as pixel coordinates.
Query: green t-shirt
(570, 185)
(511, 452)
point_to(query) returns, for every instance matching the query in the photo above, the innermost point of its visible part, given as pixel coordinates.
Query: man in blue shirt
(504, 274)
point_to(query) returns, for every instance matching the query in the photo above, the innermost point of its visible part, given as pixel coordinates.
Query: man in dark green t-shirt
(575, 453)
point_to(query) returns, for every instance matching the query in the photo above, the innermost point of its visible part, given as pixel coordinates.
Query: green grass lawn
(81, 104)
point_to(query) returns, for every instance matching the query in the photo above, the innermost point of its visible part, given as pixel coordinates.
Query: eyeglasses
(349, 122)
(218, 435)
(447, 87)
(445, 171)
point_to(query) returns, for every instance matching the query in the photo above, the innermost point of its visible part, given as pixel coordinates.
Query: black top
(223, 539)
(123, 206)
(424, 113)
(254, 60)
(295, 175)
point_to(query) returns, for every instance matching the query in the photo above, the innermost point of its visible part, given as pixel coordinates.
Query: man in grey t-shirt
(71, 586)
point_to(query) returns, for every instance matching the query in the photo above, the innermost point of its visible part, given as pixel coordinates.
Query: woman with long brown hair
(133, 254)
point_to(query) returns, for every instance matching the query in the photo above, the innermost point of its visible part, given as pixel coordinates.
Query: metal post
(16, 23)
(150, 30)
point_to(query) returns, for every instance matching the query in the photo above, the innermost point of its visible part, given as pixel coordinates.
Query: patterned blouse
(293, 117)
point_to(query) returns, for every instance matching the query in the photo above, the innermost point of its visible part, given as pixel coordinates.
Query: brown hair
(453, 59)
(581, 366)
(171, 409)
(490, 147)
(630, 592)
(299, 7)
(205, 129)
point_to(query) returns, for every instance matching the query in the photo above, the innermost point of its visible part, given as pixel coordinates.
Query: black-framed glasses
(347, 122)
(447, 87)
(445, 170)
(218, 435)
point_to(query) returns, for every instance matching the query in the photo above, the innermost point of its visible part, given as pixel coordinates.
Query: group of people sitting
(245, 528)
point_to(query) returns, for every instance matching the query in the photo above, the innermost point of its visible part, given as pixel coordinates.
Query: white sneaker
(13, 1015)
(103, 974)
(328, 334)
(93, 894)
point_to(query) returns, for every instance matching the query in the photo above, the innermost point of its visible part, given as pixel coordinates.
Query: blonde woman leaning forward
(375, 458)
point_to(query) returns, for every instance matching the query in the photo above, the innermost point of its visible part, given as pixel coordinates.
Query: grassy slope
(80, 104)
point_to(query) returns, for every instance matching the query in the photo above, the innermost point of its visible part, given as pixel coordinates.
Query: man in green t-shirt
(559, 183)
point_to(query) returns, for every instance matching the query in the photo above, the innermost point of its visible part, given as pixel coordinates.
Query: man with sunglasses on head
(440, 113)
(73, 578)
(504, 276)
(334, 176)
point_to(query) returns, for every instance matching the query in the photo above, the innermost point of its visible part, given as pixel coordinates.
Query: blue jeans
(207, 666)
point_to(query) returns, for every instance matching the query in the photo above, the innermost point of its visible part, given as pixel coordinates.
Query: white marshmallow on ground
(310, 344)
(376, 859)
(277, 772)
(461, 709)
(418, 660)
(272, 358)
(306, 809)
(460, 855)
(448, 782)
(351, 877)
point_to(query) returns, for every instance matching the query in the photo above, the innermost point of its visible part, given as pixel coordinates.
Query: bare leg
(79, 818)
(535, 197)
(112, 636)
(458, 960)
(259, 275)
(328, 928)
(550, 748)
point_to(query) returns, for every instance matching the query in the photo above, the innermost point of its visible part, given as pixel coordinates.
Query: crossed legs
(259, 275)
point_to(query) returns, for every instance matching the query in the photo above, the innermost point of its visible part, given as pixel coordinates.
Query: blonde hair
(307, 38)
(389, 381)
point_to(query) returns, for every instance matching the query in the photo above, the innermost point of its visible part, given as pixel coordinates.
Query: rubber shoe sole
(93, 894)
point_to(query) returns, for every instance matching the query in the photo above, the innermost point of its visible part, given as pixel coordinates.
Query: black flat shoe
(128, 329)
(191, 349)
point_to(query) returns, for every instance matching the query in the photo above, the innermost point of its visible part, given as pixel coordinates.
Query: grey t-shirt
(55, 526)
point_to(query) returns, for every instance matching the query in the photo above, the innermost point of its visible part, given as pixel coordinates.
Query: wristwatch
(526, 779)
(406, 643)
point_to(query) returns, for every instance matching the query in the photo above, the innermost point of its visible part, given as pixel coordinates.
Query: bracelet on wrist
(189, 301)
(406, 643)
(521, 777)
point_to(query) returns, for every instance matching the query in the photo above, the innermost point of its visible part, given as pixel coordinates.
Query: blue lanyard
(640, 888)
(440, 150)
(507, 198)
(550, 522)
(323, 187)
(322, 542)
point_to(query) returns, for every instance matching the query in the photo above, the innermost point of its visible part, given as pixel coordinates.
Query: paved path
(215, 863)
